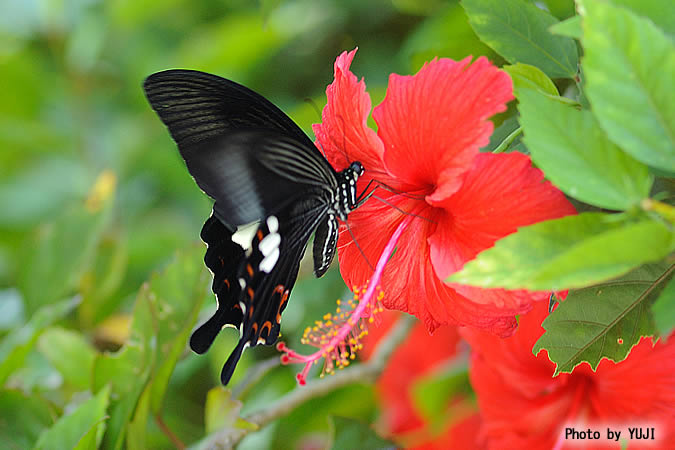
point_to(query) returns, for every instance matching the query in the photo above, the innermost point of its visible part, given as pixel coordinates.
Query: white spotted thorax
(346, 201)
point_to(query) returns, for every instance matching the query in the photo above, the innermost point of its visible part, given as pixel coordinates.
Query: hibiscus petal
(523, 406)
(343, 133)
(409, 281)
(499, 194)
(645, 362)
(371, 226)
(433, 123)
(407, 365)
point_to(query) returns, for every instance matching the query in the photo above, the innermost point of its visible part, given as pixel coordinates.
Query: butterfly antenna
(407, 213)
(359, 247)
(393, 190)
(365, 195)
(323, 152)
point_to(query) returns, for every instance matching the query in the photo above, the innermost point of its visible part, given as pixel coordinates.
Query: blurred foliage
(101, 274)
(95, 198)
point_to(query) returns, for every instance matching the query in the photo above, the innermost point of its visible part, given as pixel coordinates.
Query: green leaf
(603, 321)
(630, 68)
(570, 27)
(559, 8)
(178, 295)
(101, 279)
(23, 418)
(663, 310)
(574, 251)
(576, 155)
(356, 401)
(506, 137)
(654, 10)
(432, 394)
(350, 433)
(70, 353)
(16, 345)
(164, 314)
(81, 429)
(62, 250)
(222, 411)
(11, 310)
(40, 190)
(445, 33)
(137, 428)
(525, 76)
(121, 413)
(519, 32)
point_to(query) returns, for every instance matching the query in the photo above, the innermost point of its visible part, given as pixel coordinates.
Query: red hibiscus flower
(407, 365)
(430, 128)
(418, 357)
(523, 406)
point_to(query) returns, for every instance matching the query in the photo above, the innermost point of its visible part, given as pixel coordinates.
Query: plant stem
(366, 372)
(508, 140)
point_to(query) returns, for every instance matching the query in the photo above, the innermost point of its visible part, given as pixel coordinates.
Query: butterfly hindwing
(267, 276)
(223, 257)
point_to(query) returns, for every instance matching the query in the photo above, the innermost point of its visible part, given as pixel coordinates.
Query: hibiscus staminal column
(338, 335)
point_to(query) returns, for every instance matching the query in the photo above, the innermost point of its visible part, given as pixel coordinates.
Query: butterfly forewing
(241, 149)
(198, 106)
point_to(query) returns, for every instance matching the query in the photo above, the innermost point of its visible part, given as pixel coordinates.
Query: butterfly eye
(357, 167)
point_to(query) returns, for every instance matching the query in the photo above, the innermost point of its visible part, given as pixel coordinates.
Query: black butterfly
(257, 165)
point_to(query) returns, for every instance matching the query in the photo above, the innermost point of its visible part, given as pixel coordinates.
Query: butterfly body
(258, 166)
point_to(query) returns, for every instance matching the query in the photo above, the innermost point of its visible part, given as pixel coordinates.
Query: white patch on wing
(268, 263)
(273, 224)
(244, 235)
(269, 243)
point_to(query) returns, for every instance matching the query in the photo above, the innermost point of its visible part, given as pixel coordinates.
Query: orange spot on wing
(284, 299)
(249, 269)
(259, 234)
(226, 282)
(250, 293)
(267, 325)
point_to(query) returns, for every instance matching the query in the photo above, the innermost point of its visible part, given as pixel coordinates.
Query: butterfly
(258, 166)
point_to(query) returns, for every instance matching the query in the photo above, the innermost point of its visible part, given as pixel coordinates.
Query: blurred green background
(94, 196)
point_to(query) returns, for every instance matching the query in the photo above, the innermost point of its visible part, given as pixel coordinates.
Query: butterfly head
(357, 168)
